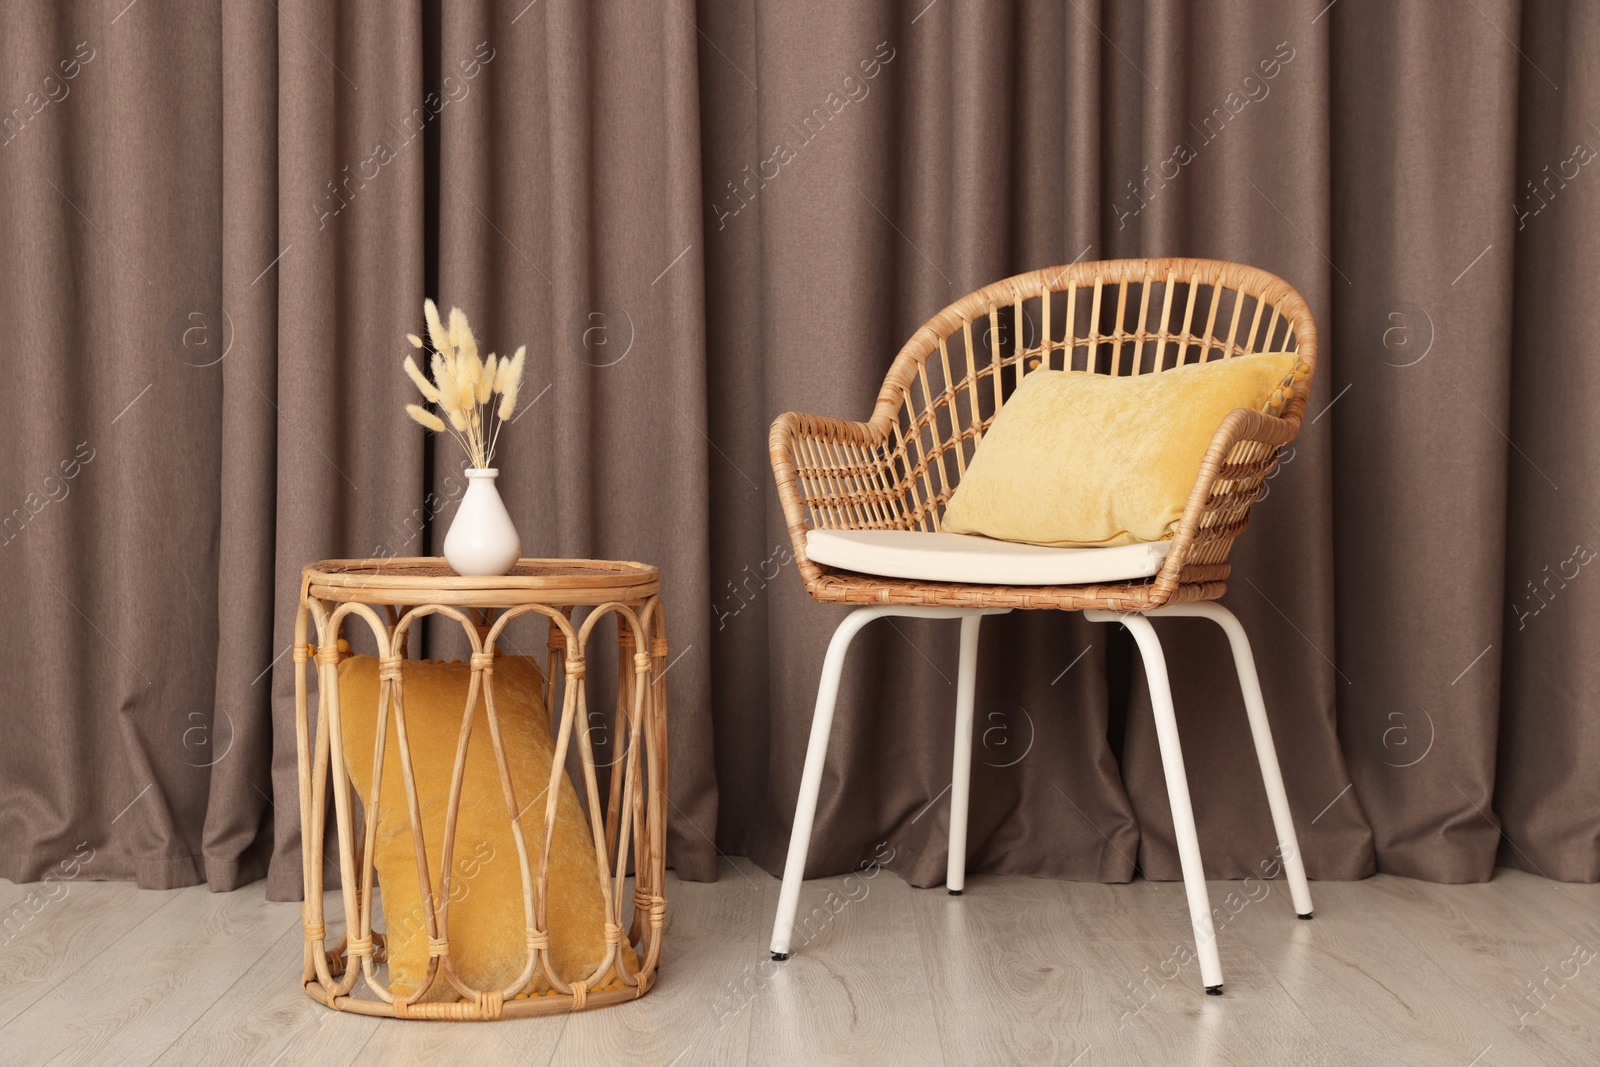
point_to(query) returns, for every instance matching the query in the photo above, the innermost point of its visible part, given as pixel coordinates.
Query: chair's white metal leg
(961, 772)
(1255, 707)
(794, 868)
(1194, 878)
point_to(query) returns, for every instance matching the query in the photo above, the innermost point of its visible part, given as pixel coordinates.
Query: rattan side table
(407, 590)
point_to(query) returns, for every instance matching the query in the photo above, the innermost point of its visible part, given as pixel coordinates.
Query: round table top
(417, 580)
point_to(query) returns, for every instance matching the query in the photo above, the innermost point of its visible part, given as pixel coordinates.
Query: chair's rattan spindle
(839, 503)
(1069, 331)
(1255, 324)
(857, 512)
(996, 361)
(1272, 329)
(1167, 289)
(1117, 331)
(878, 481)
(949, 398)
(1045, 340)
(1211, 321)
(975, 416)
(927, 417)
(824, 492)
(1188, 319)
(816, 496)
(920, 517)
(853, 477)
(869, 509)
(1229, 351)
(1094, 324)
(1143, 333)
(1019, 342)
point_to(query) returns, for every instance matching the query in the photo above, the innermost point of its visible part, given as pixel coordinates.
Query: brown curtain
(242, 206)
(218, 219)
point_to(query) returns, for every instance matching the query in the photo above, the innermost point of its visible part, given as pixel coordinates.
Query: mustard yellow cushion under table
(1082, 460)
(487, 942)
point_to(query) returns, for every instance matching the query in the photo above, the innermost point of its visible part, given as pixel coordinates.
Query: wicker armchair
(897, 470)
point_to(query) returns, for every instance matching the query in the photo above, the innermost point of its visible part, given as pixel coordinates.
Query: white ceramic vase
(482, 539)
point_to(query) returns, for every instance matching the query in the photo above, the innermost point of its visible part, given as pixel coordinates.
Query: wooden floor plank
(1014, 980)
(84, 920)
(855, 987)
(266, 1018)
(186, 954)
(697, 1013)
(1015, 970)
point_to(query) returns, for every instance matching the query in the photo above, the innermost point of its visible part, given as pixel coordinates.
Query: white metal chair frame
(1138, 623)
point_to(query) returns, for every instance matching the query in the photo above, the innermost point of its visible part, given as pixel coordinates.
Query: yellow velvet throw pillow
(1083, 460)
(487, 943)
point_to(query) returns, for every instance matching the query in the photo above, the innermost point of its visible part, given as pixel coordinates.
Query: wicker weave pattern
(629, 840)
(897, 470)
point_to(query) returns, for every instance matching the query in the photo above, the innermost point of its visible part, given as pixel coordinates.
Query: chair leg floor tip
(779, 957)
(1213, 991)
(1307, 915)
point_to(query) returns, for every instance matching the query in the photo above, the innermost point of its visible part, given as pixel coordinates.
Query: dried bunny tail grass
(453, 330)
(429, 392)
(508, 403)
(425, 417)
(436, 330)
(510, 381)
(463, 384)
(462, 337)
(450, 389)
(447, 376)
(486, 379)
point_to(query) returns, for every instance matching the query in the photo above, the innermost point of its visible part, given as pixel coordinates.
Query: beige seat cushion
(967, 558)
(1081, 460)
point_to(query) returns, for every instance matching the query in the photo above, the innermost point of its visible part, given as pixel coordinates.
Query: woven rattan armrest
(856, 447)
(1242, 455)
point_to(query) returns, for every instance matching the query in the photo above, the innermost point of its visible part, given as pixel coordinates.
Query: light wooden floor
(1018, 970)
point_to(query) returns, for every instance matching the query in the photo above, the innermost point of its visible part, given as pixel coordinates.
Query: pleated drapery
(219, 220)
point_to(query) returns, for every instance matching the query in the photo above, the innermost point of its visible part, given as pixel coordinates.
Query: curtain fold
(1547, 733)
(219, 220)
(1421, 454)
